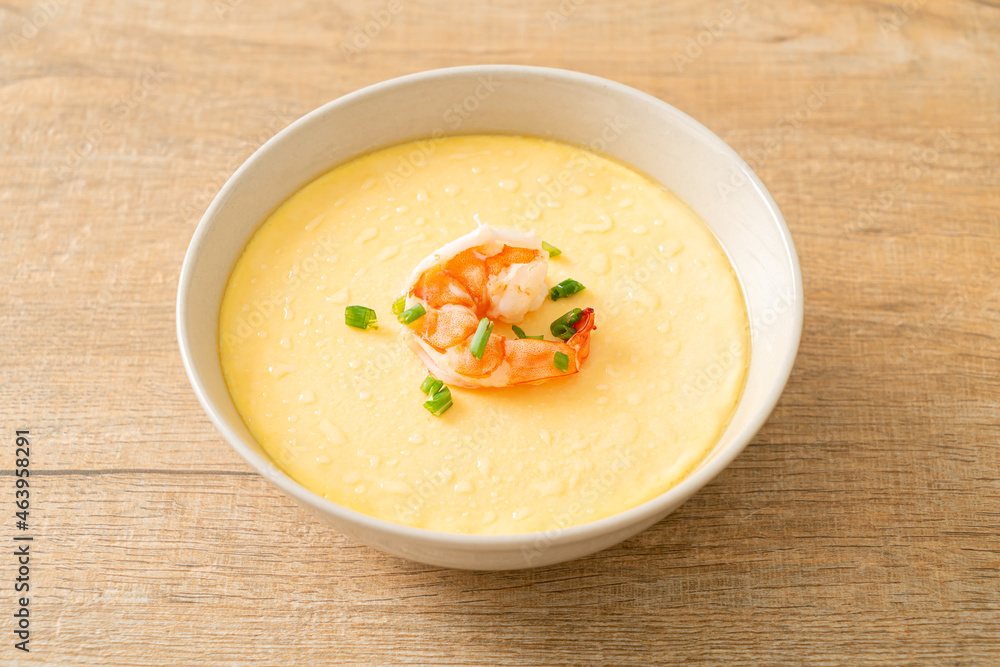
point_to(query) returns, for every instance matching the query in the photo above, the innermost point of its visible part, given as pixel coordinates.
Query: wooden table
(860, 526)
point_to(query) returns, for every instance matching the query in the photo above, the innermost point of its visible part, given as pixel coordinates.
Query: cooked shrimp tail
(498, 275)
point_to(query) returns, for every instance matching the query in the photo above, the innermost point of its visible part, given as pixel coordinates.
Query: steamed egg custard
(540, 336)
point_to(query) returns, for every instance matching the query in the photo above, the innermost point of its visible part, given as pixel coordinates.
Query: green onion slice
(360, 317)
(519, 332)
(553, 251)
(563, 327)
(398, 305)
(561, 360)
(439, 403)
(478, 346)
(566, 288)
(431, 385)
(411, 315)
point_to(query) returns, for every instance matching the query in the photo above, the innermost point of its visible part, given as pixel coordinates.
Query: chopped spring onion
(566, 288)
(478, 346)
(519, 332)
(553, 251)
(561, 360)
(563, 327)
(439, 395)
(439, 403)
(360, 317)
(411, 315)
(398, 305)
(431, 385)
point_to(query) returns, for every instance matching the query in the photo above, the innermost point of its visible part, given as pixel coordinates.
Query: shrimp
(499, 275)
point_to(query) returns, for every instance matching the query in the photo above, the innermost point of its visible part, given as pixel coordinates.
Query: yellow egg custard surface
(341, 411)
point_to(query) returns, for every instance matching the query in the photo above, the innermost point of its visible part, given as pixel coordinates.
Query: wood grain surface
(861, 526)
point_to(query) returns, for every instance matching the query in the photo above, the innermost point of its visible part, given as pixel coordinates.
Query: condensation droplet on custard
(661, 428)
(315, 222)
(484, 465)
(602, 224)
(367, 234)
(600, 264)
(551, 487)
(340, 297)
(281, 370)
(395, 486)
(624, 251)
(671, 247)
(331, 432)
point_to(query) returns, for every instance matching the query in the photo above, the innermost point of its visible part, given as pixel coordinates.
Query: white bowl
(608, 117)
